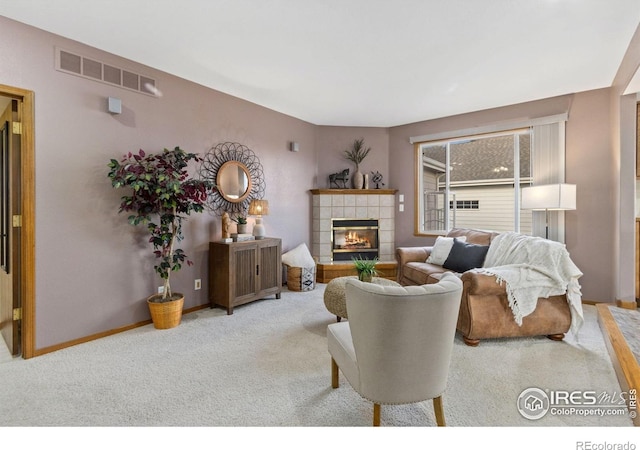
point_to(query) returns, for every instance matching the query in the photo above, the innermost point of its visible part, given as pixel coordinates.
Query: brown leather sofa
(484, 310)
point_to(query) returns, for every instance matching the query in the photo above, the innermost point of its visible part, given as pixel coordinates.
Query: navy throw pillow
(464, 256)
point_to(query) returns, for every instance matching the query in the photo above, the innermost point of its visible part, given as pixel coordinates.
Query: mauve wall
(589, 229)
(93, 270)
(331, 142)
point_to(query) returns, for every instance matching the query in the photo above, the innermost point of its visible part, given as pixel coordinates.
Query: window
(474, 182)
(497, 160)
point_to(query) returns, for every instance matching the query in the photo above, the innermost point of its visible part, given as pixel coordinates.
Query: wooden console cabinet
(241, 272)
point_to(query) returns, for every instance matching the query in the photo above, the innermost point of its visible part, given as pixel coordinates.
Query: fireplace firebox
(354, 238)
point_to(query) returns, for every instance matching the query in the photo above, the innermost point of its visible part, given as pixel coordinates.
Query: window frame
(419, 208)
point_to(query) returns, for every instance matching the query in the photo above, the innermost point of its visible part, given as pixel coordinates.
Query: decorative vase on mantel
(356, 154)
(357, 180)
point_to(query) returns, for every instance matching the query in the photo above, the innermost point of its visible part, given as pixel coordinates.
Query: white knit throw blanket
(533, 267)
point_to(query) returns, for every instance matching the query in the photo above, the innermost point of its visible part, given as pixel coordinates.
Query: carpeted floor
(267, 365)
(5, 355)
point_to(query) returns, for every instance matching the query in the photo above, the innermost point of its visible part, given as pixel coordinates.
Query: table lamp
(258, 208)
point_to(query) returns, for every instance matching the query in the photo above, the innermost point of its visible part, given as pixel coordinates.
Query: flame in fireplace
(353, 240)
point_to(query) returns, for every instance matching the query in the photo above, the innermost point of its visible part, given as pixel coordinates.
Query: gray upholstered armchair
(396, 347)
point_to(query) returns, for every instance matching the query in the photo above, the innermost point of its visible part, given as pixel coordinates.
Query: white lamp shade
(549, 196)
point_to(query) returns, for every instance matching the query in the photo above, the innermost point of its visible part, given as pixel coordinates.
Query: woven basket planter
(301, 278)
(165, 314)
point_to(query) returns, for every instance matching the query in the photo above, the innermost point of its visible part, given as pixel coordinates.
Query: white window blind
(548, 145)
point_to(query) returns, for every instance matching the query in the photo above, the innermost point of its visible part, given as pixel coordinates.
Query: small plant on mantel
(366, 268)
(162, 195)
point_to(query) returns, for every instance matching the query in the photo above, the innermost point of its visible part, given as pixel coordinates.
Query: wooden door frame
(27, 203)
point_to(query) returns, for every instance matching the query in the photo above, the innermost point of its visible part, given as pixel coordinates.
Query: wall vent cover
(75, 64)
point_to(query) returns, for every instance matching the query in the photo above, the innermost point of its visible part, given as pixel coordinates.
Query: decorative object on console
(366, 268)
(241, 237)
(237, 173)
(161, 188)
(356, 154)
(549, 197)
(377, 179)
(241, 224)
(339, 176)
(259, 208)
(226, 223)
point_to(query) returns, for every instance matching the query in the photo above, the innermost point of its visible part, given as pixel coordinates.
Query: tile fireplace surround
(353, 204)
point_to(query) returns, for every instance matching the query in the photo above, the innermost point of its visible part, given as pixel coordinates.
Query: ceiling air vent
(91, 69)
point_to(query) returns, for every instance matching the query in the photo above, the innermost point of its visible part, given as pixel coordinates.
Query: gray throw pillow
(464, 256)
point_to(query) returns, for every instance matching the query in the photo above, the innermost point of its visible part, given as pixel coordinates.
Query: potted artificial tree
(356, 154)
(162, 195)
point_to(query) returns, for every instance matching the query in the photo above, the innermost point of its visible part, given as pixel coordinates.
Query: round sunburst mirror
(237, 174)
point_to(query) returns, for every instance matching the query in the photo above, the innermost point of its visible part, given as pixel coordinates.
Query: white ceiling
(359, 62)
